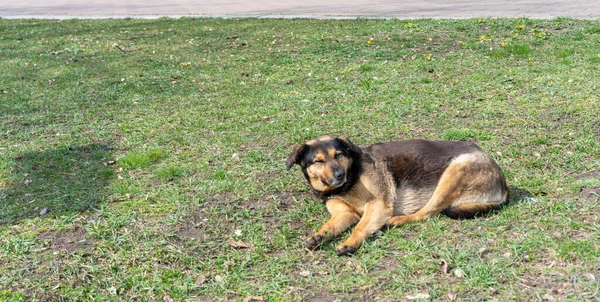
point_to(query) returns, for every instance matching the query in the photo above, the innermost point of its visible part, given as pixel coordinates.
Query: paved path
(585, 9)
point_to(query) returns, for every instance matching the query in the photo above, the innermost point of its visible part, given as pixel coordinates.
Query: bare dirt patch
(193, 228)
(589, 195)
(550, 286)
(68, 241)
(318, 295)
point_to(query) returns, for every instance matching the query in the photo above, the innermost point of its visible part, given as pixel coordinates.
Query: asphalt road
(583, 9)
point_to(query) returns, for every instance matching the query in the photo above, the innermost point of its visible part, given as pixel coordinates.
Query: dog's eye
(337, 155)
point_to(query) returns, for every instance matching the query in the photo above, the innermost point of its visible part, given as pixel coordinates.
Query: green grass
(135, 155)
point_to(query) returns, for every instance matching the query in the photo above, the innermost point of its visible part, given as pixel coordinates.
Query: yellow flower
(503, 44)
(516, 35)
(534, 24)
(483, 38)
(599, 54)
(479, 20)
(520, 26)
(369, 42)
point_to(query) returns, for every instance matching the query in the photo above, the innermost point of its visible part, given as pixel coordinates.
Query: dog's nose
(339, 174)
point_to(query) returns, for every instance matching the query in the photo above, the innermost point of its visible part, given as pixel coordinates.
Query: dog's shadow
(56, 182)
(518, 195)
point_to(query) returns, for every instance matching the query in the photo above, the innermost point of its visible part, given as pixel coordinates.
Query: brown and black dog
(395, 183)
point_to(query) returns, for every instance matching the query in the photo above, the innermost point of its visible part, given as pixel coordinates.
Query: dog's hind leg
(471, 184)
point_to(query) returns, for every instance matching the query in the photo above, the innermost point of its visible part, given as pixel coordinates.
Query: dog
(395, 183)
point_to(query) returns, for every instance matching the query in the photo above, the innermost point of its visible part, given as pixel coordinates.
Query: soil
(66, 241)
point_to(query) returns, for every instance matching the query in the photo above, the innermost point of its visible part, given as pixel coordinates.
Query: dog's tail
(471, 210)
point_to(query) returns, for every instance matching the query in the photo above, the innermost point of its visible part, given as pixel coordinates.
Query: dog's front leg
(342, 218)
(376, 214)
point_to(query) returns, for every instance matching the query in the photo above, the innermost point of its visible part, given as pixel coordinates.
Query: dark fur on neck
(351, 180)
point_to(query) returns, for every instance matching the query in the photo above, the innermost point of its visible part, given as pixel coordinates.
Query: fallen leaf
(200, 280)
(444, 267)
(304, 273)
(591, 277)
(417, 296)
(481, 250)
(548, 297)
(451, 296)
(237, 244)
(255, 298)
(167, 298)
(43, 211)
(459, 273)
(218, 278)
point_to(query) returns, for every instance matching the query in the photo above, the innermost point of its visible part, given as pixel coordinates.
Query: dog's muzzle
(339, 178)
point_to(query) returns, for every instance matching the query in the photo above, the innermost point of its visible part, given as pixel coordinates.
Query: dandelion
(534, 24)
(516, 35)
(599, 55)
(520, 26)
(483, 38)
(369, 42)
(503, 44)
(409, 25)
(479, 20)
(510, 71)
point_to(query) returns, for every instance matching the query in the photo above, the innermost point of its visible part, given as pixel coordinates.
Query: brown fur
(395, 183)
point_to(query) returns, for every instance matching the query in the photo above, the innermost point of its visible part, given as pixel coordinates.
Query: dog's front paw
(314, 242)
(345, 250)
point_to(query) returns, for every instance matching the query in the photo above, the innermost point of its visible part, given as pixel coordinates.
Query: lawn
(144, 159)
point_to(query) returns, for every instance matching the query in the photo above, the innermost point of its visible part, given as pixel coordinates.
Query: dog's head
(325, 161)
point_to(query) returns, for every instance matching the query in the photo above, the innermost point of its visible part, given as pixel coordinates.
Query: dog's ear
(345, 141)
(296, 155)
